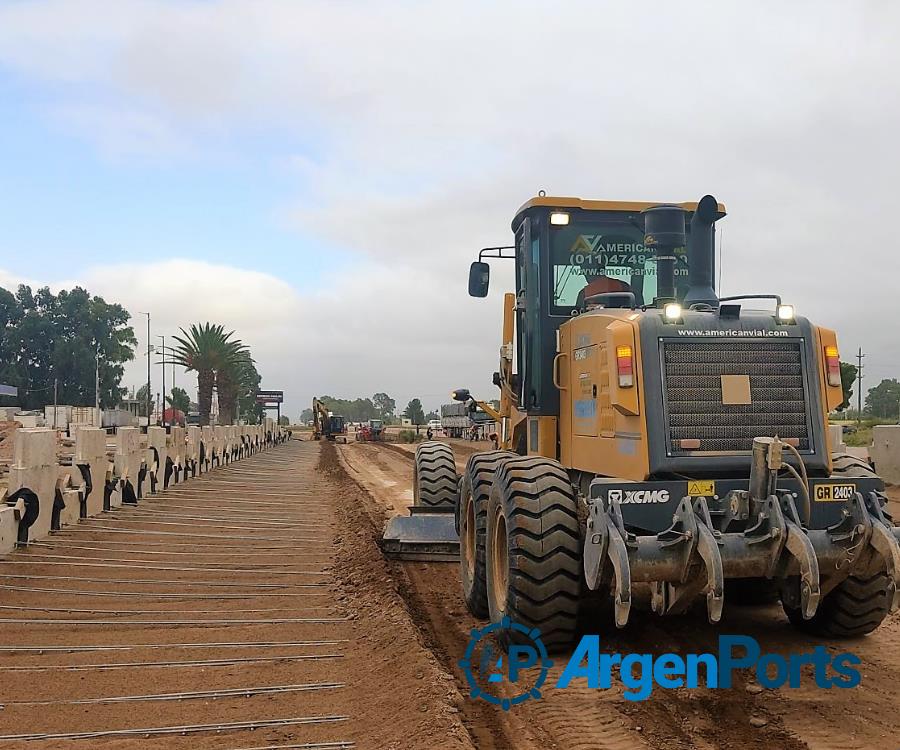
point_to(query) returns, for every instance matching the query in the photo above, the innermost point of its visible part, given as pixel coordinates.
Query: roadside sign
(269, 397)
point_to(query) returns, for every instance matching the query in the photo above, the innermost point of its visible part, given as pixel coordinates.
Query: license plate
(834, 493)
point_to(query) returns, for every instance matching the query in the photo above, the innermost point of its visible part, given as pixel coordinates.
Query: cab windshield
(588, 258)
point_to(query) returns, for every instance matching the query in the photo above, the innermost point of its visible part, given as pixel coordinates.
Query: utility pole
(55, 417)
(163, 367)
(149, 349)
(859, 369)
(97, 380)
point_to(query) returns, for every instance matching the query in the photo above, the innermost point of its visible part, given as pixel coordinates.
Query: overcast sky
(318, 175)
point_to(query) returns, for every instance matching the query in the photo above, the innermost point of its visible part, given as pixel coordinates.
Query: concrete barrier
(127, 463)
(33, 474)
(70, 495)
(885, 452)
(836, 438)
(92, 463)
(176, 447)
(43, 494)
(156, 437)
(10, 517)
(146, 466)
(208, 439)
(233, 441)
(192, 452)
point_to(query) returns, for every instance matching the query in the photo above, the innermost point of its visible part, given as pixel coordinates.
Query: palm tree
(233, 381)
(206, 349)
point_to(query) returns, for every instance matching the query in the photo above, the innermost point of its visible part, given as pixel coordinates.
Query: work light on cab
(785, 313)
(672, 311)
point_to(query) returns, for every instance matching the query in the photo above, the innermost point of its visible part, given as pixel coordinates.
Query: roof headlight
(785, 313)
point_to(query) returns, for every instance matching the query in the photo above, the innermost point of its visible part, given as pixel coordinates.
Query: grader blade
(427, 534)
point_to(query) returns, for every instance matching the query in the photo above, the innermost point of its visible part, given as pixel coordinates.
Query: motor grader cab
(653, 432)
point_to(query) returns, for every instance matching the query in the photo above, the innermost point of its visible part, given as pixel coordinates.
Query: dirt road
(254, 596)
(806, 717)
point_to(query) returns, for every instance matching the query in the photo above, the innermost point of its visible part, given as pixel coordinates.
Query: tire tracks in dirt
(438, 628)
(679, 719)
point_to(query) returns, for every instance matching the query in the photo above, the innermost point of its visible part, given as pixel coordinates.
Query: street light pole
(149, 349)
(163, 367)
(97, 381)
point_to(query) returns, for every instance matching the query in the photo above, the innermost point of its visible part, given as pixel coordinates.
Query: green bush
(409, 436)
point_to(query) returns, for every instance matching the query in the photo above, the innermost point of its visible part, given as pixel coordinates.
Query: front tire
(854, 608)
(474, 493)
(533, 549)
(434, 476)
(845, 465)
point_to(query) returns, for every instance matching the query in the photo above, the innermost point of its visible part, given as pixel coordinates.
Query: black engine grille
(694, 410)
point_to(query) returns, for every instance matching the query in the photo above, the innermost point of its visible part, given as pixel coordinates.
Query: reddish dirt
(579, 717)
(301, 515)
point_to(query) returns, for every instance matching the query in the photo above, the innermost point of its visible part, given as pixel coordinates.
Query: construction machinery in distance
(325, 424)
(371, 431)
(458, 419)
(652, 432)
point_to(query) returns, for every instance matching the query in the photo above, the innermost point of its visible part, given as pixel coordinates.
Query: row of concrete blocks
(44, 496)
(883, 454)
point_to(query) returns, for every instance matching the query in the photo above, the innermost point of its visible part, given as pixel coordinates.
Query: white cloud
(373, 331)
(424, 126)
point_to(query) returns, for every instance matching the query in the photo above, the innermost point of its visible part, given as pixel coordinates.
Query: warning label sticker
(704, 487)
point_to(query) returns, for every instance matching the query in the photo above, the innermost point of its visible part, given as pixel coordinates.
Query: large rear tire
(474, 492)
(533, 549)
(855, 607)
(434, 476)
(845, 465)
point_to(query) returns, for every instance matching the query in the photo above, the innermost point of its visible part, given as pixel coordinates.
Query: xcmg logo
(627, 497)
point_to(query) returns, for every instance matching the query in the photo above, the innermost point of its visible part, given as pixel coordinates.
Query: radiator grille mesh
(693, 387)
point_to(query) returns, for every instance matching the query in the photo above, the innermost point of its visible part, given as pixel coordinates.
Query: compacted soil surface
(746, 715)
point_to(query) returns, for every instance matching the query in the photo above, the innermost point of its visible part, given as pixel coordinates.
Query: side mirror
(479, 279)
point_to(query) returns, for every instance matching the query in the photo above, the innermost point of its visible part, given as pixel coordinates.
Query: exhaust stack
(664, 234)
(701, 254)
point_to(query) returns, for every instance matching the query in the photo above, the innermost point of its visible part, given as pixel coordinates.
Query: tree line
(57, 347)
(882, 401)
(61, 340)
(380, 406)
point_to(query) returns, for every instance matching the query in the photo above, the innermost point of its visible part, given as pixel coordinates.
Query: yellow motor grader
(652, 432)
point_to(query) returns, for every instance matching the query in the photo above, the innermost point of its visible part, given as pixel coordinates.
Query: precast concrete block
(146, 465)
(71, 510)
(159, 451)
(128, 461)
(221, 443)
(9, 526)
(35, 469)
(92, 464)
(177, 439)
(885, 452)
(233, 442)
(208, 442)
(836, 438)
(192, 451)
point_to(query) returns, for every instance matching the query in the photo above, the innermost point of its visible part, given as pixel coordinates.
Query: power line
(859, 370)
